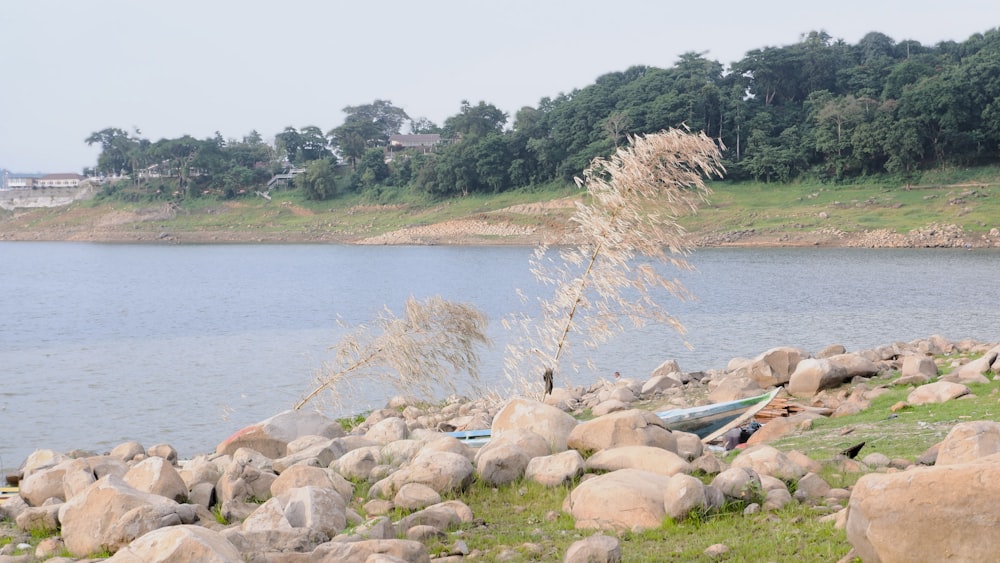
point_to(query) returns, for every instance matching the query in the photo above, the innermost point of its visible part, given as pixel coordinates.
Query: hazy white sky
(174, 67)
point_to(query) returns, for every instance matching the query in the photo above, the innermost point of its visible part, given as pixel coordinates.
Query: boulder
(766, 460)
(855, 365)
(739, 483)
(36, 519)
(305, 476)
(683, 495)
(179, 543)
(358, 464)
(243, 481)
(547, 421)
(388, 430)
(271, 436)
(733, 387)
(505, 457)
(646, 458)
(554, 470)
(812, 375)
(41, 459)
(608, 407)
(166, 451)
(314, 508)
(779, 427)
(937, 392)
(628, 499)
(941, 513)
(128, 451)
(598, 548)
(628, 428)
(415, 496)
(45, 483)
(110, 514)
(775, 366)
(689, 446)
(918, 368)
(442, 471)
(156, 475)
(660, 383)
(371, 550)
(969, 441)
(442, 516)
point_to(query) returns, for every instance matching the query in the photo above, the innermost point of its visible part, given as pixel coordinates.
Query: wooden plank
(740, 419)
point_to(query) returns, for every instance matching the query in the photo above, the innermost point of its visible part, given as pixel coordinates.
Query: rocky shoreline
(289, 488)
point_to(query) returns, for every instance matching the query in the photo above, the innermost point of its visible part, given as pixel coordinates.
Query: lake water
(104, 343)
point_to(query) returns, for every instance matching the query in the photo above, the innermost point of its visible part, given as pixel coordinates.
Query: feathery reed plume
(416, 353)
(635, 198)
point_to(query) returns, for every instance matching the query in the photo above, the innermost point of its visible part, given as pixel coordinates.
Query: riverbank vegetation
(819, 110)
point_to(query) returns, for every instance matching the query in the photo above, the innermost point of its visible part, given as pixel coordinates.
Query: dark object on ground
(740, 435)
(852, 452)
(13, 479)
(547, 376)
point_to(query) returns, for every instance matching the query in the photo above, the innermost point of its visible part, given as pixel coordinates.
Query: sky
(69, 68)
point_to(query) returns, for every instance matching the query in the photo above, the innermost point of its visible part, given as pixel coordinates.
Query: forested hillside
(820, 109)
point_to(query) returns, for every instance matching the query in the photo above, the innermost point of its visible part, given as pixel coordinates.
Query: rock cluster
(286, 489)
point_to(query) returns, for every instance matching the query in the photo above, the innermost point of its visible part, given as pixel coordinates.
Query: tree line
(819, 108)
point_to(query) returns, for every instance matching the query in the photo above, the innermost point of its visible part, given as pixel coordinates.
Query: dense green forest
(820, 109)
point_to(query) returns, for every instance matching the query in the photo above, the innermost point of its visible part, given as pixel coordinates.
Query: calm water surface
(103, 343)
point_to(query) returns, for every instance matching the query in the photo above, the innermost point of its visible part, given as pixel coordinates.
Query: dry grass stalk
(635, 197)
(416, 354)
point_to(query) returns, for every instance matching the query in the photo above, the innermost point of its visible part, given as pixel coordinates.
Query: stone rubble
(284, 489)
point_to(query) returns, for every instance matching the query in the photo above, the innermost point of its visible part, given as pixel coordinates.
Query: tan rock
(547, 421)
(554, 470)
(646, 458)
(937, 392)
(628, 499)
(179, 543)
(156, 475)
(941, 513)
(969, 441)
(628, 428)
(271, 436)
(812, 375)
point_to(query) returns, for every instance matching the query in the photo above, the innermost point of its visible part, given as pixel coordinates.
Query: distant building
(424, 142)
(12, 181)
(68, 180)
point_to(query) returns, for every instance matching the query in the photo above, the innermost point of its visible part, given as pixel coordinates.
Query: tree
(367, 126)
(475, 121)
(319, 181)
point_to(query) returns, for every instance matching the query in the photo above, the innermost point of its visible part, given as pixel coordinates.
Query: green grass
(524, 522)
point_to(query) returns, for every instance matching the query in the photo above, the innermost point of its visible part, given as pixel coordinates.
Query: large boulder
(813, 375)
(628, 499)
(156, 475)
(318, 509)
(775, 366)
(633, 427)
(110, 514)
(684, 494)
(646, 458)
(941, 513)
(271, 436)
(598, 548)
(766, 460)
(917, 368)
(306, 476)
(937, 392)
(547, 421)
(969, 441)
(554, 470)
(505, 457)
(442, 471)
(855, 365)
(370, 550)
(179, 543)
